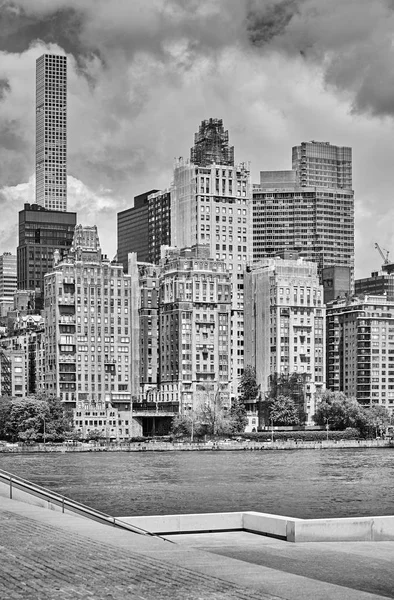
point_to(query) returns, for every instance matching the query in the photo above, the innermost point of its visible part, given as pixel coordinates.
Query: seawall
(199, 447)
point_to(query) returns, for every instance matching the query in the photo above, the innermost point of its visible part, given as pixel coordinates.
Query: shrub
(304, 436)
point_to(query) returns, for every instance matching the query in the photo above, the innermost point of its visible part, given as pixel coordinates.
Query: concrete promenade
(47, 555)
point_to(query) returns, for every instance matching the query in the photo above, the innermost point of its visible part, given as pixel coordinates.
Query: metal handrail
(74, 506)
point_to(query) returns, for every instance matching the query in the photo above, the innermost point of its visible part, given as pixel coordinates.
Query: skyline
(140, 86)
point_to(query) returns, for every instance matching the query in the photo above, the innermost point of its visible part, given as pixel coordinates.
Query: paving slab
(48, 555)
(358, 566)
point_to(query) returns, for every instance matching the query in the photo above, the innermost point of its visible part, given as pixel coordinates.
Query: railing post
(11, 488)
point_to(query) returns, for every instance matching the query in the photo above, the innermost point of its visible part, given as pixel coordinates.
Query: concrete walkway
(47, 555)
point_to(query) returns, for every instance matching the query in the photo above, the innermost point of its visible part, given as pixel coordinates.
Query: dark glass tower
(41, 232)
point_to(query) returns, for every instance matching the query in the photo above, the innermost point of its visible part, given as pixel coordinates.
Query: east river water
(299, 483)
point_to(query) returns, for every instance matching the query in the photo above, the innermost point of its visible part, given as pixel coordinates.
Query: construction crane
(387, 265)
(385, 258)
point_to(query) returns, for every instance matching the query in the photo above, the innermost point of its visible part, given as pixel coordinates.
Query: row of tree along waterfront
(41, 418)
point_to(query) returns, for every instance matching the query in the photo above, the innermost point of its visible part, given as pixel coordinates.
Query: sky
(142, 75)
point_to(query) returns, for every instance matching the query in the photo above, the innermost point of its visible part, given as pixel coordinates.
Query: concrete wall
(288, 528)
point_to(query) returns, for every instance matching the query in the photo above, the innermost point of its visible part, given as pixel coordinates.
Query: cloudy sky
(142, 74)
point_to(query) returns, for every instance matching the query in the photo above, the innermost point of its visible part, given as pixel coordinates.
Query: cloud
(92, 207)
(142, 75)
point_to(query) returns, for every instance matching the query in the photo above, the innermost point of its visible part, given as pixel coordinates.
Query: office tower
(133, 230)
(322, 165)
(159, 224)
(51, 132)
(194, 330)
(90, 313)
(317, 222)
(41, 232)
(211, 145)
(336, 282)
(360, 349)
(211, 205)
(378, 284)
(284, 324)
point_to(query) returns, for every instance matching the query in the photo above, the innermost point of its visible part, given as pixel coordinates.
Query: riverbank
(157, 446)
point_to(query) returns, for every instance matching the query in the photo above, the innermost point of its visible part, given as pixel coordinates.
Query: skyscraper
(211, 205)
(51, 132)
(41, 232)
(322, 164)
(309, 209)
(133, 235)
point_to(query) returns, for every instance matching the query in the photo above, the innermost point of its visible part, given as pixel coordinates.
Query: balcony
(66, 320)
(68, 300)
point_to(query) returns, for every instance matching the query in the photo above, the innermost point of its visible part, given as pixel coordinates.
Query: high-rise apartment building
(211, 205)
(317, 222)
(41, 232)
(360, 349)
(7, 276)
(284, 324)
(321, 164)
(91, 312)
(133, 233)
(51, 132)
(194, 330)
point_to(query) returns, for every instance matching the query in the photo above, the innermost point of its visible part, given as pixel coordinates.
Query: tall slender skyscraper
(51, 132)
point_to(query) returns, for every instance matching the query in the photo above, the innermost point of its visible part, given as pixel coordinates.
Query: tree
(291, 385)
(32, 419)
(182, 426)
(377, 418)
(95, 435)
(5, 408)
(339, 412)
(238, 416)
(283, 411)
(248, 390)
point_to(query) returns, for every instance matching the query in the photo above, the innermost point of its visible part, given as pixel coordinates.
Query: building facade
(159, 224)
(321, 164)
(378, 284)
(194, 329)
(284, 321)
(211, 205)
(133, 230)
(360, 349)
(7, 276)
(316, 222)
(51, 132)
(41, 232)
(89, 308)
(336, 282)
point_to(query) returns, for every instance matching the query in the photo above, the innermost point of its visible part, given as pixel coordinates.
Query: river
(297, 483)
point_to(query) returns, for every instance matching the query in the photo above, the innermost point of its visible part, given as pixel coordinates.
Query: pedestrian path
(47, 555)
